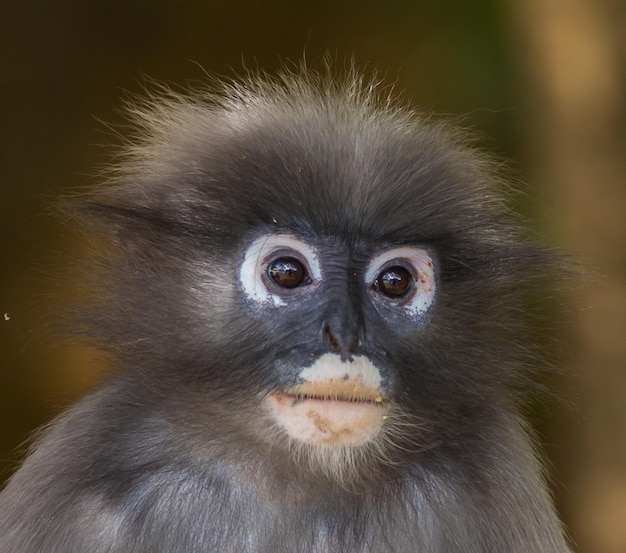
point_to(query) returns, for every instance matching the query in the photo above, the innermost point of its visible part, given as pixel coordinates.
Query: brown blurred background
(542, 81)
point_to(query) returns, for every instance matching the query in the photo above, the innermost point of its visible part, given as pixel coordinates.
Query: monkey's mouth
(330, 413)
(297, 398)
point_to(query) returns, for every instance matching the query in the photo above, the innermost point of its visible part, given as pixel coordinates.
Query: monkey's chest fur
(135, 486)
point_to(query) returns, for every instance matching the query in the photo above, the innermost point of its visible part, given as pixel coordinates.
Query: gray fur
(172, 455)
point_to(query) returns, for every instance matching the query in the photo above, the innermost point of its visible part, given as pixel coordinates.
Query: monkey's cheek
(327, 422)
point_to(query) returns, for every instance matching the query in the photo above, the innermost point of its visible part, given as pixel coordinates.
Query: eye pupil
(394, 282)
(287, 272)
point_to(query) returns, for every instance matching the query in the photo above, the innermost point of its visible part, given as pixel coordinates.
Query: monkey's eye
(287, 272)
(276, 268)
(402, 279)
(394, 282)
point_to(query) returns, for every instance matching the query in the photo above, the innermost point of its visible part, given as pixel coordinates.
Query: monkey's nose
(341, 340)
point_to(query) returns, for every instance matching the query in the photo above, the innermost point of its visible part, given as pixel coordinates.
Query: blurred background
(542, 82)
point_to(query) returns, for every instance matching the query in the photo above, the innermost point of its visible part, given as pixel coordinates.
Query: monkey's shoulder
(115, 475)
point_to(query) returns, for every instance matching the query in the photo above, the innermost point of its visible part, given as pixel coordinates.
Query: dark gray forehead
(330, 160)
(341, 175)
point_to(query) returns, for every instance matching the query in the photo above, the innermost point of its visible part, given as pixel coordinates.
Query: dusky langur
(315, 299)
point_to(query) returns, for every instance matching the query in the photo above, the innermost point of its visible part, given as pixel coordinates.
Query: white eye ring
(424, 288)
(260, 253)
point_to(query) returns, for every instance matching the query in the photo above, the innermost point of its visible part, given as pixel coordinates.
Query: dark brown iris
(394, 282)
(287, 272)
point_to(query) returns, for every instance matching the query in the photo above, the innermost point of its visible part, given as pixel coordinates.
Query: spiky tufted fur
(173, 454)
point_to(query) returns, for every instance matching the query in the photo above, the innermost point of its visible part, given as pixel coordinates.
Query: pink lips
(335, 412)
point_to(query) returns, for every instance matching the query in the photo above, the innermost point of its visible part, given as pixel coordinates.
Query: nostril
(354, 346)
(331, 338)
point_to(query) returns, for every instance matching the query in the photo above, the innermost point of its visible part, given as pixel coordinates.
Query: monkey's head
(318, 270)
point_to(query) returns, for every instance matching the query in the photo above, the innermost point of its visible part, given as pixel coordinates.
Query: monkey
(314, 296)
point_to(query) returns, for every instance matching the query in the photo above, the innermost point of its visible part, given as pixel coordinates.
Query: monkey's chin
(328, 421)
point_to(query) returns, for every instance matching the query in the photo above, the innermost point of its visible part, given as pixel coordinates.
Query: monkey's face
(339, 280)
(335, 309)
